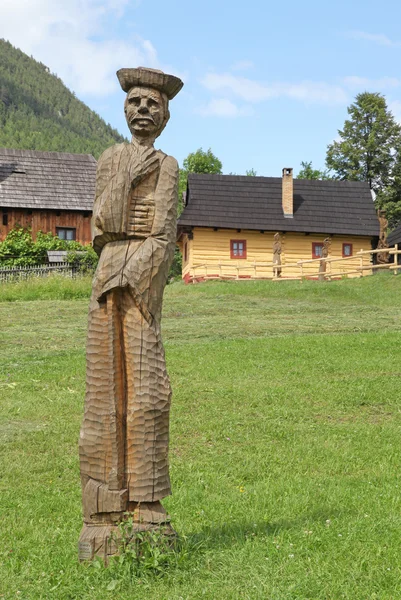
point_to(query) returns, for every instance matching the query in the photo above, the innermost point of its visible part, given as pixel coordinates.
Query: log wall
(212, 248)
(47, 221)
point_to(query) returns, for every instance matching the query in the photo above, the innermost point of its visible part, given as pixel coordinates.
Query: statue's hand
(146, 163)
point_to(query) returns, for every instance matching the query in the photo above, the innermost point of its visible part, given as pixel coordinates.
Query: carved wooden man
(325, 254)
(277, 255)
(125, 430)
(382, 257)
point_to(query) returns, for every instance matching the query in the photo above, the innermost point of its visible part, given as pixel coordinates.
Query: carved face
(145, 112)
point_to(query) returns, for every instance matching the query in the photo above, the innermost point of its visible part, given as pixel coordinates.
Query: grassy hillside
(38, 112)
(285, 437)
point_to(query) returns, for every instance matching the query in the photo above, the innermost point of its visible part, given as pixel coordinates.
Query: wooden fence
(21, 273)
(326, 268)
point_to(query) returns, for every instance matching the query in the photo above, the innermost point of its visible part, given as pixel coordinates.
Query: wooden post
(361, 262)
(329, 270)
(396, 259)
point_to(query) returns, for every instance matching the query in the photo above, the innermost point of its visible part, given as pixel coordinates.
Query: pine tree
(367, 147)
(38, 112)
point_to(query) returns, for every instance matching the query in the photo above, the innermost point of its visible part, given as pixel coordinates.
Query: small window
(347, 250)
(66, 233)
(317, 249)
(5, 219)
(238, 248)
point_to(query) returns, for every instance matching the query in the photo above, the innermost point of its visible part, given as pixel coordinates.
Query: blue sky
(267, 84)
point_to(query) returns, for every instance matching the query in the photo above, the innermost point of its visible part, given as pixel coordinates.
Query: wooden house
(47, 191)
(261, 227)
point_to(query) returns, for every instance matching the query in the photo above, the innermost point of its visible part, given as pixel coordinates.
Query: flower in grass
(291, 556)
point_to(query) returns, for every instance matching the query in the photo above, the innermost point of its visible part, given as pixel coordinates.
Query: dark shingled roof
(395, 236)
(46, 180)
(241, 202)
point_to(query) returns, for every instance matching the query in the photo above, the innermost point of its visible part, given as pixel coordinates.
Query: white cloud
(254, 91)
(356, 82)
(70, 37)
(243, 65)
(221, 107)
(376, 38)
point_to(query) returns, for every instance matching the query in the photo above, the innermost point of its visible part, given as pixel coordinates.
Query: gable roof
(242, 202)
(46, 180)
(395, 236)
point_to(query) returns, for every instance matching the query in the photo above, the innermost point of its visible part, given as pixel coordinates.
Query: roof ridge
(261, 178)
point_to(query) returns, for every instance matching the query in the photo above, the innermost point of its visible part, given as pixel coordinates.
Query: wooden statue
(125, 430)
(323, 263)
(277, 255)
(382, 257)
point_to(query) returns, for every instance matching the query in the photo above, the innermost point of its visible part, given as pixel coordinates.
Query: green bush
(19, 249)
(84, 259)
(176, 267)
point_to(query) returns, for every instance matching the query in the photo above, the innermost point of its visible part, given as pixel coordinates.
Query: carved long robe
(124, 435)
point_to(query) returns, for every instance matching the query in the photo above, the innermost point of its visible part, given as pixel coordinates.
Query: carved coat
(134, 232)
(123, 176)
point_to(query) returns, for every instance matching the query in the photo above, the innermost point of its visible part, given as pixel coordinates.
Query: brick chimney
(288, 193)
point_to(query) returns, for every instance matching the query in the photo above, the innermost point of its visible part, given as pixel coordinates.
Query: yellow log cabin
(239, 227)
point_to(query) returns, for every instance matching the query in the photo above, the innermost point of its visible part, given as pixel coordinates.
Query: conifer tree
(369, 150)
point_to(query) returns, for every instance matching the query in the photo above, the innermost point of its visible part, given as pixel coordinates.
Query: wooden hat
(152, 78)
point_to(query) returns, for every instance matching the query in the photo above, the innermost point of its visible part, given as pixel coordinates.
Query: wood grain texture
(47, 221)
(277, 255)
(382, 257)
(325, 254)
(125, 431)
(210, 247)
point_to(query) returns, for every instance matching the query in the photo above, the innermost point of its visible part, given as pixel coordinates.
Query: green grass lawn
(285, 442)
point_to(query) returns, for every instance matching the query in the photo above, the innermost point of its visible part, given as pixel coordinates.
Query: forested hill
(38, 112)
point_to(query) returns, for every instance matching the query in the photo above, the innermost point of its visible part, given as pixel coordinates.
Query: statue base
(102, 536)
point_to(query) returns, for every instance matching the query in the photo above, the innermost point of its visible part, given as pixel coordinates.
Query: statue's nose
(143, 108)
